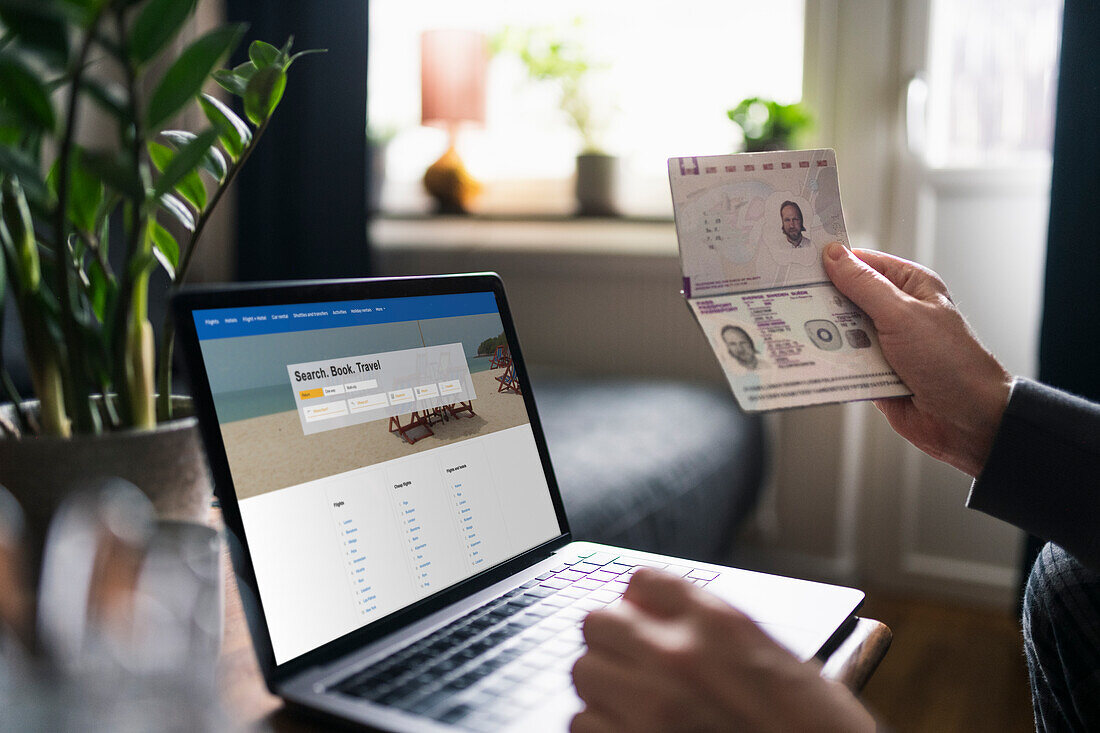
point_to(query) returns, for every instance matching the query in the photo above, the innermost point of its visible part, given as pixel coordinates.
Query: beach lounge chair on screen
(501, 358)
(508, 380)
(416, 420)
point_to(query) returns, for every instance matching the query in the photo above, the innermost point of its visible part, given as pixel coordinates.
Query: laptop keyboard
(508, 655)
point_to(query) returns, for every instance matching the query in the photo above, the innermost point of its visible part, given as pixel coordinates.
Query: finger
(620, 690)
(592, 721)
(622, 631)
(910, 277)
(642, 697)
(864, 285)
(659, 594)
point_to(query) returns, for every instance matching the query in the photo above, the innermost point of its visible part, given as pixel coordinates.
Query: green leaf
(190, 186)
(264, 91)
(185, 161)
(213, 162)
(161, 155)
(245, 71)
(193, 190)
(184, 79)
(178, 210)
(263, 54)
(39, 26)
(102, 288)
(230, 82)
(85, 193)
(232, 131)
(15, 162)
(115, 170)
(24, 94)
(166, 249)
(156, 25)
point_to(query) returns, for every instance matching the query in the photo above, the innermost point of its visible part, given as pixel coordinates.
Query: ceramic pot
(597, 185)
(168, 464)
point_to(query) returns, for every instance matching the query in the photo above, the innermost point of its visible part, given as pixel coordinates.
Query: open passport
(751, 229)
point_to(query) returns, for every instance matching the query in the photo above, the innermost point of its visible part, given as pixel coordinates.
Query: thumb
(862, 284)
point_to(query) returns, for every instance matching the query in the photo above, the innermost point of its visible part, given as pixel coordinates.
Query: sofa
(658, 465)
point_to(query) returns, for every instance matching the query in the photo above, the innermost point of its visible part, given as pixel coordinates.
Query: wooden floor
(950, 668)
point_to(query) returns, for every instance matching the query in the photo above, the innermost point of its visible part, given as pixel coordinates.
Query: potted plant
(767, 125)
(104, 404)
(551, 56)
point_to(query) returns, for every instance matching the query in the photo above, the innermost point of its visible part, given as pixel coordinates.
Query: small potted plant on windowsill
(767, 125)
(558, 57)
(88, 340)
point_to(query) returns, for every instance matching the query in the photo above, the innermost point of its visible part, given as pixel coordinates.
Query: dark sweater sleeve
(1043, 473)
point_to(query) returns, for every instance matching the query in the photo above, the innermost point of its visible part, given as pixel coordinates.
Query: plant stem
(125, 316)
(73, 381)
(168, 326)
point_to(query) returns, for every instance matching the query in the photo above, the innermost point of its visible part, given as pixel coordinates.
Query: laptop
(400, 544)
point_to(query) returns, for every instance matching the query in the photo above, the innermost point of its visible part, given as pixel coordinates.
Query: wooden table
(248, 701)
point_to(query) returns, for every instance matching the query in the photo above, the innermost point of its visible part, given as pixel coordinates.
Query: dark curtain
(301, 199)
(1069, 341)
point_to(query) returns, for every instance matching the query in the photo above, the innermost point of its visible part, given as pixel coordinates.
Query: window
(992, 73)
(665, 76)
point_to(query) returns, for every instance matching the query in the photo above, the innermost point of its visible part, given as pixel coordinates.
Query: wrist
(989, 400)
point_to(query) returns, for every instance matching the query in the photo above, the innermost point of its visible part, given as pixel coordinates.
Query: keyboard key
(702, 574)
(544, 576)
(599, 575)
(559, 568)
(584, 567)
(573, 592)
(678, 570)
(555, 583)
(527, 697)
(557, 623)
(603, 596)
(454, 714)
(537, 636)
(541, 592)
(570, 575)
(616, 568)
(645, 563)
(616, 585)
(589, 584)
(601, 558)
(522, 622)
(557, 601)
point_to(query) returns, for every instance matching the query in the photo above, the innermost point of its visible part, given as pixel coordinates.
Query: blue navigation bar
(216, 323)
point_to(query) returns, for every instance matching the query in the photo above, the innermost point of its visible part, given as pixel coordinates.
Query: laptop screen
(380, 449)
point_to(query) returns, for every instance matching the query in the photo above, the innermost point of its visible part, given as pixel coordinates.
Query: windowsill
(629, 236)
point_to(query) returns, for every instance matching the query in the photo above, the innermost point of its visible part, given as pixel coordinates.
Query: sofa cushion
(663, 466)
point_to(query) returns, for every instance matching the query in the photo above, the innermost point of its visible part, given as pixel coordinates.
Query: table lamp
(453, 66)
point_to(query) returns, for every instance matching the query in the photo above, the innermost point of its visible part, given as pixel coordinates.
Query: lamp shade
(453, 68)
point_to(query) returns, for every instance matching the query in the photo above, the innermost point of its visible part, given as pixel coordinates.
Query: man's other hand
(959, 389)
(673, 657)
